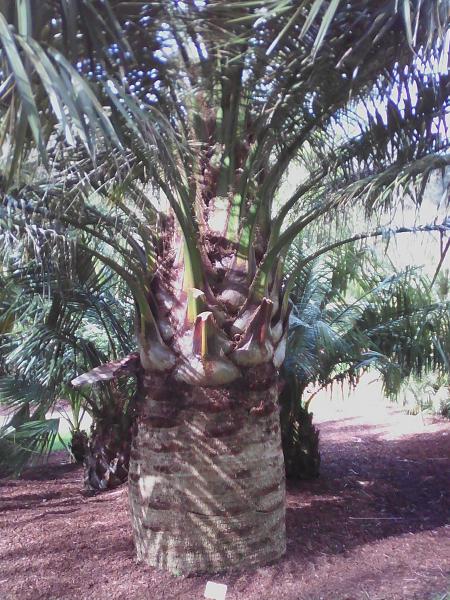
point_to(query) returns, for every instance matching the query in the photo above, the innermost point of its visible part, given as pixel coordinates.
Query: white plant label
(215, 591)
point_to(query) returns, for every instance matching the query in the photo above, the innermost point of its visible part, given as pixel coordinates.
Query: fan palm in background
(67, 318)
(163, 131)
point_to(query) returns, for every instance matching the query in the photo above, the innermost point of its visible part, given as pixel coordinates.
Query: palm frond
(392, 322)
(21, 443)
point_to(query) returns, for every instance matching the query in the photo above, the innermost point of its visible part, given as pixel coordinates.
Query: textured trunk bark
(78, 445)
(206, 482)
(299, 436)
(300, 441)
(107, 456)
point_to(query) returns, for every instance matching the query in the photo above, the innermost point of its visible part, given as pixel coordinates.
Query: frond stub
(255, 346)
(112, 370)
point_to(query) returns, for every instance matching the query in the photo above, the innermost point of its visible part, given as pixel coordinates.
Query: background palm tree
(351, 314)
(67, 318)
(209, 103)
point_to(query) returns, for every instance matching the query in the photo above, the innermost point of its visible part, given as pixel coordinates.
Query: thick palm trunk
(206, 481)
(206, 475)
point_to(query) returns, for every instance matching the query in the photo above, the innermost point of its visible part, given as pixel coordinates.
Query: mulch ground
(373, 526)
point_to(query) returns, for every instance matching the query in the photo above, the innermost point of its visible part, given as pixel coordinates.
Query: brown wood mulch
(373, 526)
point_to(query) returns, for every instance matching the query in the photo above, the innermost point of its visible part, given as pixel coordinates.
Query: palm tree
(66, 319)
(350, 313)
(163, 130)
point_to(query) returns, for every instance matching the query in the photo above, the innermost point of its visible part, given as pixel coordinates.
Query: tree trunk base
(78, 446)
(301, 448)
(299, 436)
(107, 457)
(206, 482)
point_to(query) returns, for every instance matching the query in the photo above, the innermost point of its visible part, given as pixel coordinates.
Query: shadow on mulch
(49, 472)
(370, 490)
